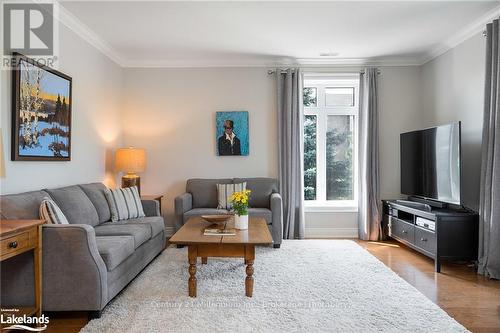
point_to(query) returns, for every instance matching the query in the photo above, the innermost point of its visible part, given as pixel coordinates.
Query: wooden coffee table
(242, 245)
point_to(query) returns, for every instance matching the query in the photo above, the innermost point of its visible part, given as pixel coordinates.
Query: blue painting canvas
(232, 133)
(43, 112)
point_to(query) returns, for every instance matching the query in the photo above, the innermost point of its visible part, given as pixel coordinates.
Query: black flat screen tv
(430, 163)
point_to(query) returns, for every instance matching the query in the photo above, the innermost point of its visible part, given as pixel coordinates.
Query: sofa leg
(95, 314)
(277, 246)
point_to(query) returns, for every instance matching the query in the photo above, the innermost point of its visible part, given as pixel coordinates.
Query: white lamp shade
(130, 160)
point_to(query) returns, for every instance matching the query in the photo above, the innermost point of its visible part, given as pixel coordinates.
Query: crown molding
(309, 62)
(388, 61)
(249, 62)
(462, 35)
(82, 30)
(200, 64)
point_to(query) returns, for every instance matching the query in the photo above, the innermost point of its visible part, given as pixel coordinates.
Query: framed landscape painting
(41, 113)
(232, 133)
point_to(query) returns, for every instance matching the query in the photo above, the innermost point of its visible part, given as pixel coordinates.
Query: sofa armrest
(277, 213)
(151, 207)
(74, 274)
(183, 203)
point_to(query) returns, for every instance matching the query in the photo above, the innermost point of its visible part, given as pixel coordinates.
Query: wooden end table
(158, 198)
(17, 237)
(241, 245)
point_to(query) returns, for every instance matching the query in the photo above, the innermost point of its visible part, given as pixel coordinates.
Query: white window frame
(321, 111)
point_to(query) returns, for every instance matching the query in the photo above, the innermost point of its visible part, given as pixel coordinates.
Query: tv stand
(439, 233)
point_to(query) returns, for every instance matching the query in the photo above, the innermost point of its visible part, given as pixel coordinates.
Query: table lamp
(131, 161)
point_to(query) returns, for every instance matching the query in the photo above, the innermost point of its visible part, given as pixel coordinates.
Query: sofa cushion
(140, 232)
(261, 212)
(154, 222)
(204, 191)
(261, 188)
(125, 203)
(95, 192)
(225, 192)
(202, 211)
(114, 249)
(51, 213)
(22, 206)
(75, 205)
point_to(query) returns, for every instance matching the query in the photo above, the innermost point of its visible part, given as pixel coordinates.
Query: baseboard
(331, 232)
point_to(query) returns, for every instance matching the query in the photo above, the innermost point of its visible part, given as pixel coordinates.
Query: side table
(17, 237)
(153, 197)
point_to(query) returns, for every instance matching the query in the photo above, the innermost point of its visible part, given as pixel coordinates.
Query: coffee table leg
(192, 255)
(204, 260)
(249, 258)
(249, 279)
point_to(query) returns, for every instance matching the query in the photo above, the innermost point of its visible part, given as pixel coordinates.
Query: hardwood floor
(471, 299)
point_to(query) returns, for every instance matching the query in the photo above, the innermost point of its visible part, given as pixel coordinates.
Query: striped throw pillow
(224, 192)
(124, 203)
(50, 212)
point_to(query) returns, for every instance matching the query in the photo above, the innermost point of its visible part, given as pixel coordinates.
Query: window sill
(329, 208)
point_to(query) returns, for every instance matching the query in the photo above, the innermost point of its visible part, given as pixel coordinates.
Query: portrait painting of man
(232, 133)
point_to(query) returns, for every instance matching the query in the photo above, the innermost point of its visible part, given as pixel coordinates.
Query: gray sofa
(87, 262)
(201, 198)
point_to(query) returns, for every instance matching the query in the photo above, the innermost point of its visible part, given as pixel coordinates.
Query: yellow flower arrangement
(240, 202)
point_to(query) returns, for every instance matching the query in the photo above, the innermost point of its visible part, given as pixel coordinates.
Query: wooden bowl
(216, 218)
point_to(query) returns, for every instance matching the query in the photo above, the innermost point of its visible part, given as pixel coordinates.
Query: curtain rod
(272, 71)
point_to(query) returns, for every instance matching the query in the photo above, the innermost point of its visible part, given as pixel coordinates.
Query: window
(336, 96)
(330, 128)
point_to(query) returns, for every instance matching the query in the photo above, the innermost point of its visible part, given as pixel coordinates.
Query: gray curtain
(290, 149)
(489, 202)
(369, 215)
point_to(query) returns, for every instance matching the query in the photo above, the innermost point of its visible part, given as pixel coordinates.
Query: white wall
(453, 90)
(96, 121)
(171, 113)
(399, 111)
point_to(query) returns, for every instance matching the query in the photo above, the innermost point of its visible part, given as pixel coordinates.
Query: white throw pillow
(50, 212)
(225, 191)
(124, 203)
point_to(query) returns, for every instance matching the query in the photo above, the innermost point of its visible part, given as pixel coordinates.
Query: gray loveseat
(201, 199)
(87, 262)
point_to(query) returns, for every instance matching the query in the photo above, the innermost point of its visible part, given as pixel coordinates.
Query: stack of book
(219, 232)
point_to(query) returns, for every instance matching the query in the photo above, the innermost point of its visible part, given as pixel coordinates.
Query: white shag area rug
(306, 285)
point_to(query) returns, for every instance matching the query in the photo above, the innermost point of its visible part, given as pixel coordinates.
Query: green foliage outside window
(309, 97)
(310, 157)
(339, 177)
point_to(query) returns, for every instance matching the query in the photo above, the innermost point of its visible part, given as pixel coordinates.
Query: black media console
(439, 233)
